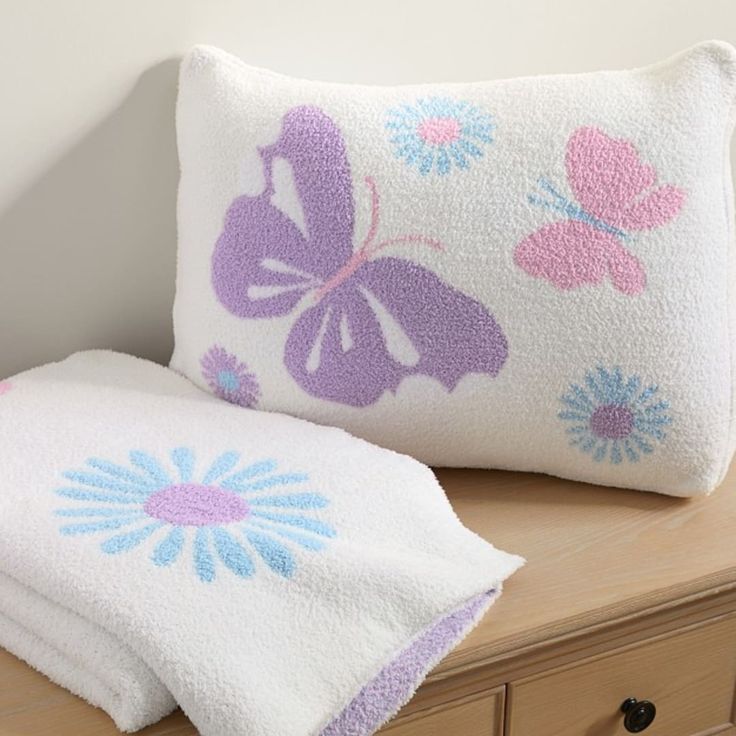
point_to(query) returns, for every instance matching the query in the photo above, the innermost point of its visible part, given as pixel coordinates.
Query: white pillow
(533, 274)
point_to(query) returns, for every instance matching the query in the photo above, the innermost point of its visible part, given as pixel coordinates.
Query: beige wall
(87, 156)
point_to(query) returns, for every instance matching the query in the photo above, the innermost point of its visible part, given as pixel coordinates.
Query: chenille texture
(532, 274)
(273, 577)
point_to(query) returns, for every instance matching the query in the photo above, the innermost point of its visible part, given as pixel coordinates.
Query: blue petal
(293, 500)
(223, 464)
(646, 394)
(479, 131)
(470, 149)
(274, 480)
(259, 468)
(168, 549)
(581, 396)
(273, 553)
(606, 381)
(104, 482)
(146, 462)
(90, 527)
(457, 154)
(631, 387)
(616, 452)
(616, 384)
(642, 444)
(411, 152)
(183, 458)
(95, 511)
(425, 165)
(631, 453)
(405, 125)
(404, 138)
(588, 444)
(203, 562)
(600, 452)
(443, 162)
(313, 543)
(657, 408)
(232, 553)
(119, 472)
(577, 405)
(655, 429)
(303, 522)
(598, 393)
(410, 113)
(656, 419)
(128, 540)
(79, 494)
(651, 431)
(573, 416)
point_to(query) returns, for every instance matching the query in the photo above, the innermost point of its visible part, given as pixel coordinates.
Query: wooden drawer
(689, 675)
(480, 714)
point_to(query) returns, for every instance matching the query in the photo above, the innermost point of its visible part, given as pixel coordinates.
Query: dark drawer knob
(638, 714)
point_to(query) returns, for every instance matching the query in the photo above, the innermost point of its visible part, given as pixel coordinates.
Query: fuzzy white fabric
(159, 546)
(533, 274)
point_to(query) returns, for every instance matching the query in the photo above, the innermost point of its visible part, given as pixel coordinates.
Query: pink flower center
(5, 386)
(612, 422)
(439, 131)
(192, 504)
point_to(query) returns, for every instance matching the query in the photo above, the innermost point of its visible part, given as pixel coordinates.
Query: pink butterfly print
(353, 306)
(617, 194)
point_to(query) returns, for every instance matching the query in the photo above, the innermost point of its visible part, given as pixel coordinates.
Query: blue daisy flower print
(612, 416)
(231, 514)
(436, 134)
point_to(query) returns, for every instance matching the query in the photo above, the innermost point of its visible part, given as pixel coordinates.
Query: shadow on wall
(89, 251)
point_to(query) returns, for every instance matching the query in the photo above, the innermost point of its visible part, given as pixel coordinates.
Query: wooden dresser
(625, 595)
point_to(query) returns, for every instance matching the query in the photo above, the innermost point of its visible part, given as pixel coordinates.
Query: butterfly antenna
(366, 250)
(375, 213)
(559, 202)
(411, 239)
(546, 186)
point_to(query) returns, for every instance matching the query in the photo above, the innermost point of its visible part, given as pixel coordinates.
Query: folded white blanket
(273, 577)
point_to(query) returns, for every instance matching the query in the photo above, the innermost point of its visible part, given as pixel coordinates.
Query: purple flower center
(612, 421)
(439, 131)
(192, 504)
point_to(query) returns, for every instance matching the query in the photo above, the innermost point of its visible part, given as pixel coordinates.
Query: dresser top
(594, 555)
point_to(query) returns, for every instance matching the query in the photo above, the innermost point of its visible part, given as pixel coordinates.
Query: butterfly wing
(611, 182)
(452, 333)
(263, 261)
(324, 359)
(393, 319)
(653, 210)
(572, 253)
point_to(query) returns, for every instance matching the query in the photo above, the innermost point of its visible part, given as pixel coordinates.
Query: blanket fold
(273, 577)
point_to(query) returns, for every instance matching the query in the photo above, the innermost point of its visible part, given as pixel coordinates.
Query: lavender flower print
(612, 417)
(229, 378)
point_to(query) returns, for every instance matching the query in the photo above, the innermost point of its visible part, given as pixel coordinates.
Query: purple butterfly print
(341, 345)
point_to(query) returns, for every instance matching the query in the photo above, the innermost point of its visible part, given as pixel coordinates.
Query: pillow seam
(728, 193)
